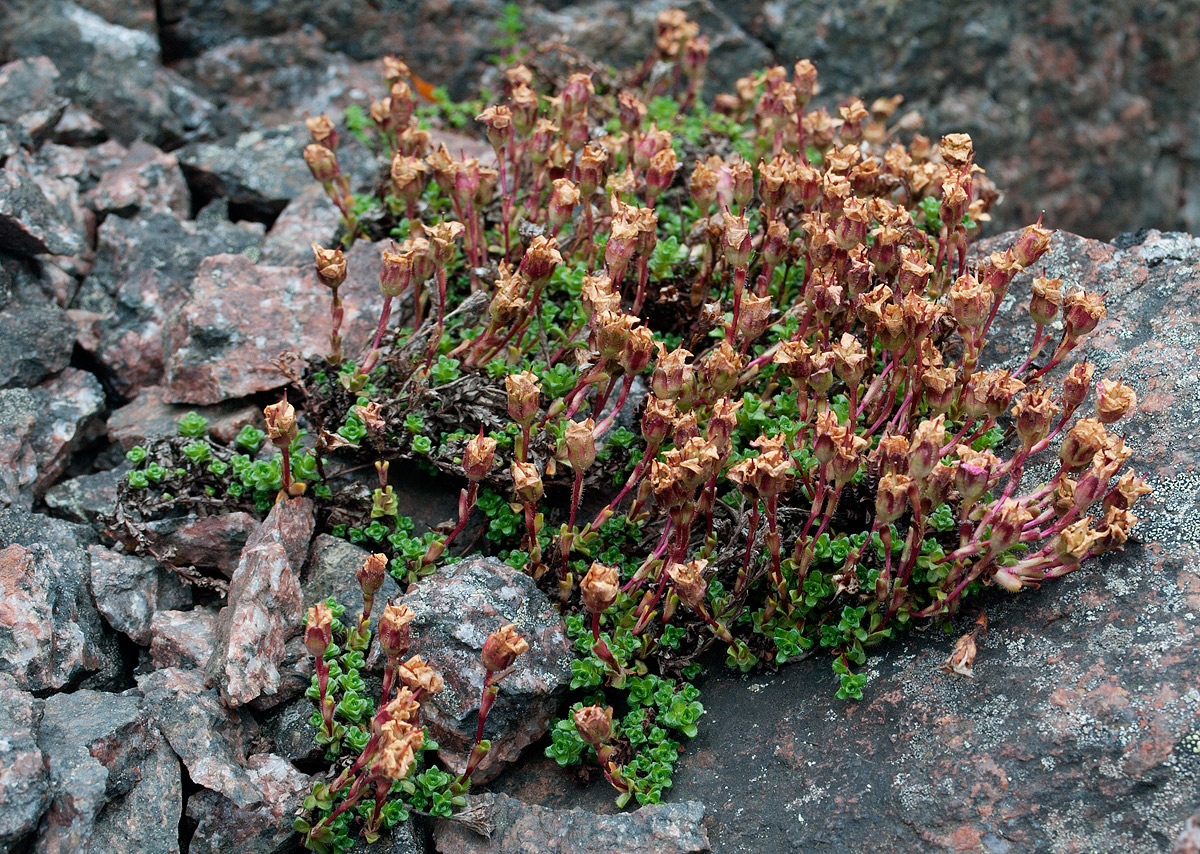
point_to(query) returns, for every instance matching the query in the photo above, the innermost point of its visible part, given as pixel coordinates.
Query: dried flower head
(416, 674)
(502, 647)
(599, 588)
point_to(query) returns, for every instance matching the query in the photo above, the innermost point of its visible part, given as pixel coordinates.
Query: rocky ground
(155, 216)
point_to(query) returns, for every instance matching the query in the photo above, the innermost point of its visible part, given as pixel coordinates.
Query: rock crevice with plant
(715, 376)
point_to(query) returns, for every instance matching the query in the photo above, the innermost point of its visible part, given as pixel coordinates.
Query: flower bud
(742, 179)
(561, 205)
(318, 630)
(576, 93)
(593, 163)
(891, 498)
(402, 103)
(851, 228)
(1117, 525)
(594, 724)
(722, 421)
(1034, 412)
(849, 359)
(281, 423)
(598, 295)
(371, 574)
(1083, 441)
(702, 186)
(1046, 298)
(396, 274)
(1031, 245)
(1126, 492)
(599, 588)
(331, 266)
(1007, 522)
(927, 446)
(1081, 313)
(502, 647)
(527, 483)
(672, 376)
(736, 241)
(689, 582)
(970, 301)
(630, 111)
(479, 457)
(721, 368)
(1113, 400)
(323, 132)
(499, 123)
(321, 162)
(1076, 384)
(540, 259)
(417, 675)
(754, 316)
(956, 194)
(638, 351)
(657, 419)
(828, 435)
(1073, 543)
(974, 472)
(394, 631)
(524, 393)
(939, 386)
(661, 173)
(579, 444)
(524, 105)
(1000, 390)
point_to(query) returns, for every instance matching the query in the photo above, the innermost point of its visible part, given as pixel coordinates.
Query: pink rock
(261, 828)
(183, 639)
(146, 179)
(221, 342)
(265, 606)
(204, 541)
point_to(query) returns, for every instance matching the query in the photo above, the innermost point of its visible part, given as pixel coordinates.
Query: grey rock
(129, 590)
(308, 218)
(521, 828)
(260, 172)
(24, 782)
(149, 415)
(30, 105)
(95, 746)
(113, 72)
(146, 179)
(39, 430)
(30, 223)
(213, 741)
(36, 340)
(221, 342)
(291, 734)
(143, 269)
(331, 571)
(146, 819)
(51, 634)
(404, 839)
(264, 606)
(456, 609)
(183, 639)
(264, 827)
(83, 499)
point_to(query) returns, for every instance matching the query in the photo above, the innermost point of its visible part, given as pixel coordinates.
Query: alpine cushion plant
(714, 376)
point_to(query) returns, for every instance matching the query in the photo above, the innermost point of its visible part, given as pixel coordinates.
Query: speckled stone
(146, 179)
(183, 639)
(220, 342)
(1081, 728)
(24, 782)
(264, 607)
(264, 827)
(521, 828)
(214, 542)
(212, 741)
(130, 589)
(456, 609)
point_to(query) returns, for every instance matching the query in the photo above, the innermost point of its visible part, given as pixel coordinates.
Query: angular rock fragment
(36, 340)
(456, 610)
(331, 571)
(147, 179)
(129, 590)
(146, 819)
(39, 430)
(264, 827)
(51, 634)
(24, 783)
(149, 416)
(82, 499)
(212, 741)
(30, 223)
(183, 639)
(207, 542)
(264, 606)
(520, 827)
(221, 342)
(96, 746)
(29, 101)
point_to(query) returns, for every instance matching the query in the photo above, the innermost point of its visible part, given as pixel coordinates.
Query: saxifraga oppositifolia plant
(713, 375)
